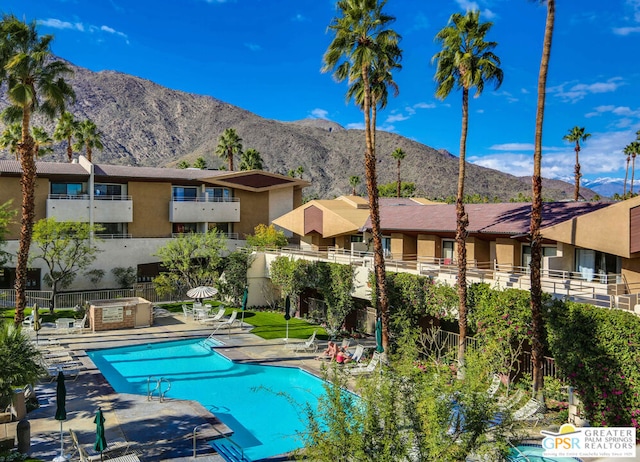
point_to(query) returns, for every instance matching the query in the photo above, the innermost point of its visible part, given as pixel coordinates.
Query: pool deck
(157, 431)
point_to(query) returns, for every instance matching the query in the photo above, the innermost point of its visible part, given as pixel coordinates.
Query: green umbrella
(287, 314)
(101, 441)
(61, 412)
(245, 298)
(36, 320)
(379, 347)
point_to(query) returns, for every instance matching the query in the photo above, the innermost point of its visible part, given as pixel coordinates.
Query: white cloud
(58, 24)
(624, 31)
(578, 91)
(512, 147)
(355, 126)
(396, 118)
(319, 113)
(623, 111)
(253, 46)
(524, 91)
(467, 5)
(424, 106)
(299, 18)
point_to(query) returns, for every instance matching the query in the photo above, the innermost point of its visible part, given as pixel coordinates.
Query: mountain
(143, 123)
(607, 187)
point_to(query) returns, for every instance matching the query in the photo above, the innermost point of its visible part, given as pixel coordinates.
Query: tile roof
(503, 218)
(12, 167)
(151, 173)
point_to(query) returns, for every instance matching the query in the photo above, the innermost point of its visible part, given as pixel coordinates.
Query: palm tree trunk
(576, 189)
(26, 150)
(399, 184)
(462, 221)
(537, 326)
(633, 171)
(89, 153)
(69, 150)
(230, 160)
(374, 211)
(626, 175)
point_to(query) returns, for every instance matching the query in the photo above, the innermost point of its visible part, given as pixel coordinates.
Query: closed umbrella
(101, 441)
(379, 347)
(201, 292)
(287, 314)
(245, 297)
(61, 411)
(36, 320)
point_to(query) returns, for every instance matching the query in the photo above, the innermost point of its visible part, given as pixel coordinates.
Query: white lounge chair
(310, 344)
(217, 317)
(116, 447)
(532, 410)
(79, 326)
(494, 386)
(188, 312)
(369, 368)
(228, 322)
(357, 354)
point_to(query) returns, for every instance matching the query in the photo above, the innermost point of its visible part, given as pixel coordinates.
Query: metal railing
(85, 196)
(205, 199)
(41, 297)
(114, 236)
(227, 235)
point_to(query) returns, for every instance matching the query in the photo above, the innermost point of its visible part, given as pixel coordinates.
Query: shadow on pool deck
(157, 431)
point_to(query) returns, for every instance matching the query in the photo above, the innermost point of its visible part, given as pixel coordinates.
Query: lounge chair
(532, 410)
(494, 386)
(310, 344)
(217, 317)
(188, 312)
(357, 354)
(117, 447)
(79, 326)
(228, 322)
(369, 368)
(510, 401)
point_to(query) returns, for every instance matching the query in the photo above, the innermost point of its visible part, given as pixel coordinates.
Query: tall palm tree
(88, 137)
(627, 153)
(575, 135)
(42, 141)
(11, 137)
(634, 149)
(537, 325)
(35, 83)
(66, 129)
(229, 144)
(466, 61)
(354, 181)
(364, 46)
(398, 154)
(251, 160)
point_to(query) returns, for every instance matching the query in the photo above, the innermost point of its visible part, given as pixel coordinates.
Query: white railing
(41, 297)
(85, 197)
(114, 236)
(227, 235)
(205, 199)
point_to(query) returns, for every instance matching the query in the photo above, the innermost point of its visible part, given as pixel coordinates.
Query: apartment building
(141, 208)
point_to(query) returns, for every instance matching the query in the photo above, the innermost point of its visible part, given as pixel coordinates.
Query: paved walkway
(158, 431)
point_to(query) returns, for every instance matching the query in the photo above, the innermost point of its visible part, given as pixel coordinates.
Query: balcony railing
(205, 199)
(114, 236)
(86, 197)
(227, 235)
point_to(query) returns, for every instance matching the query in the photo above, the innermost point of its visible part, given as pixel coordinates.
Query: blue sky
(265, 56)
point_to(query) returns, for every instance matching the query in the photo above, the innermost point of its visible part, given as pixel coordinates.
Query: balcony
(205, 210)
(106, 209)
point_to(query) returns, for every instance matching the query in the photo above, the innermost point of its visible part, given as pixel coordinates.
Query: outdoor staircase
(229, 451)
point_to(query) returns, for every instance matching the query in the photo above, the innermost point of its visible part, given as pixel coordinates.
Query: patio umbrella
(101, 441)
(61, 411)
(201, 292)
(36, 321)
(287, 315)
(245, 297)
(379, 347)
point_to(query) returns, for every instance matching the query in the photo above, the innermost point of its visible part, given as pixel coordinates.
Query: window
(101, 190)
(592, 262)
(112, 229)
(547, 251)
(225, 228)
(356, 238)
(181, 228)
(184, 193)
(447, 251)
(218, 194)
(386, 246)
(68, 189)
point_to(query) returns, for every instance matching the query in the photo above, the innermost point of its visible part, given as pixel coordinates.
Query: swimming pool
(534, 453)
(244, 397)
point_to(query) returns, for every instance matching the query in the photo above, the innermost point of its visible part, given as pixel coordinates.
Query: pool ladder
(158, 388)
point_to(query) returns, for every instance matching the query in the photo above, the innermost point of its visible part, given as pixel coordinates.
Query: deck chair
(188, 312)
(116, 447)
(357, 354)
(369, 368)
(217, 317)
(511, 401)
(79, 326)
(310, 344)
(228, 322)
(532, 410)
(494, 386)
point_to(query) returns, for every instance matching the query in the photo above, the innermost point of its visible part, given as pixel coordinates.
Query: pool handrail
(227, 438)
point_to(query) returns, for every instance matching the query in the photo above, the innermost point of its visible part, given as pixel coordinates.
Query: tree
(632, 149)
(575, 135)
(354, 181)
(251, 160)
(6, 216)
(407, 189)
(20, 363)
(229, 144)
(627, 153)
(66, 129)
(466, 61)
(125, 277)
(190, 260)
(34, 84)
(363, 46)
(66, 248)
(200, 163)
(42, 141)
(264, 237)
(88, 137)
(398, 155)
(11, 137)
(537, 324)
(183, 164)
(234, 278)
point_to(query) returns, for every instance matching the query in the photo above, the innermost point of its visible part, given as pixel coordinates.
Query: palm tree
(200, 163)
(537, 325)
(466, 61)
(42, 141)
(251, 160)
(398, 155)
(88, 137)
(634, 149)
(10, 138)
(34, 84)
(627, 153)
(66, 129)
(354, 181)
(575, 135)
(364, 47)
(229, 144)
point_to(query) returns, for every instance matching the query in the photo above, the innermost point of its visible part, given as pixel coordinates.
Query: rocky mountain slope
(146, 124)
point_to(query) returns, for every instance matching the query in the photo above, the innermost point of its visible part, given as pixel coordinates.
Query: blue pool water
(534, 453)
(245, 397)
